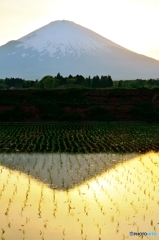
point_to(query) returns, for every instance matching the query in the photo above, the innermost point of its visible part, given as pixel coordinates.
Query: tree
(104, 82)
(88, 82)
(151, 82)
(59, 76)
(110, 81)
(79, 79)
(95, 82)
(71, 80)
(14, 82)
(70, 76)
(120, 83)
(47, 82)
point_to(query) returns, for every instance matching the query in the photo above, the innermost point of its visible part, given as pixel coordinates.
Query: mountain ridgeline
(68, 48)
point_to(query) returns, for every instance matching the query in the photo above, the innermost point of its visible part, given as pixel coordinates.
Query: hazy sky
(133, 24)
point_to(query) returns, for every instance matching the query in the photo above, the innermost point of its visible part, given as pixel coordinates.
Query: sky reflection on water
(64, 196)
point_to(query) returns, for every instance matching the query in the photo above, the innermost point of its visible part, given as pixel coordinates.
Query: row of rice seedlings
(26, 196)
(74, 138)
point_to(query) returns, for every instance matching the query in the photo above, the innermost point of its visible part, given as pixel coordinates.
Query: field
(83, 181)
(79, 137)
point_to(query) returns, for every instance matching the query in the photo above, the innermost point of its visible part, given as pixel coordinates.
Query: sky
(132, 24)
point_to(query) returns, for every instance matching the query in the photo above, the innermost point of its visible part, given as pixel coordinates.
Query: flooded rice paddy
(78, 196)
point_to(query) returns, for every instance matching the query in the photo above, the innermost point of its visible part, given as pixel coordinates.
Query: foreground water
(82, 196)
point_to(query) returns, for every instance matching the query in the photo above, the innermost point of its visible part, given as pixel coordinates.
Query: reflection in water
(62, 171)
(108, 197)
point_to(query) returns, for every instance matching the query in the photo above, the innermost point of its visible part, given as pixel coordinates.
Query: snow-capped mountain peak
(68, 48)
(66, 37)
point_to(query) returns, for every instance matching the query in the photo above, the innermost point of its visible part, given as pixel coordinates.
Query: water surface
(82, 196)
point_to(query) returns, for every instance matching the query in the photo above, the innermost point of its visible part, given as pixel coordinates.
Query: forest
(78, 81)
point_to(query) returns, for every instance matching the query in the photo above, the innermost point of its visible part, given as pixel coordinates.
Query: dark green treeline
(48, 82)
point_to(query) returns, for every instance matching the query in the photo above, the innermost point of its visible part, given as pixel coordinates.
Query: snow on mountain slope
(67, 37)
(68, 48)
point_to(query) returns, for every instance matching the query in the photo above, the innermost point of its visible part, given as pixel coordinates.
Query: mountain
(68, 48)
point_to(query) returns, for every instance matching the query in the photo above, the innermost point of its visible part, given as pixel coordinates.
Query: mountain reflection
(103, 196)
(63, 171)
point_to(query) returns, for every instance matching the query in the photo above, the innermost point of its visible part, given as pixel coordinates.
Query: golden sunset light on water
(75, 202)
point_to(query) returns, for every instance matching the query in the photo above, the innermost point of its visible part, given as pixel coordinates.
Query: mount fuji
(68, 48)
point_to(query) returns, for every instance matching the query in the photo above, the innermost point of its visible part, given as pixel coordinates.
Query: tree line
(138, 83)
(95, 82)
(55, 81)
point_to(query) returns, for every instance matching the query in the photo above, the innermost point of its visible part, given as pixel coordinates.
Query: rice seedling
(3, 231)
(65, 188)
(114, 138)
